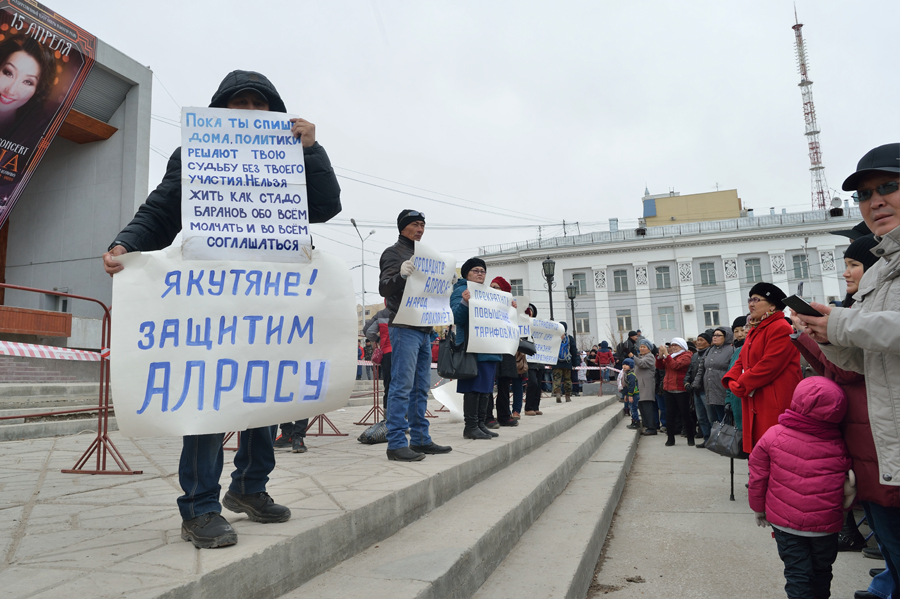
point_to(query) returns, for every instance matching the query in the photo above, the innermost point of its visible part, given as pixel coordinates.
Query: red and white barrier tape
(27, 350)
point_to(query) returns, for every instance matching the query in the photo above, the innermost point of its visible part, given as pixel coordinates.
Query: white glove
(407, 268)
(454, 279)
(760, 519)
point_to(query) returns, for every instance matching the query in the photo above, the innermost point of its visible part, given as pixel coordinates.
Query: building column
(830, 273)
(779, 270)
(642, 289)
(686, 292)
(605, 328)
(737, 305)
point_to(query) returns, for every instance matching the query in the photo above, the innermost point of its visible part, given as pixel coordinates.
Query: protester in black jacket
(154, 227)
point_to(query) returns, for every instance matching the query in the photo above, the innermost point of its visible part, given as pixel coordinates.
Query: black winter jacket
(158, 220)
(390, 283)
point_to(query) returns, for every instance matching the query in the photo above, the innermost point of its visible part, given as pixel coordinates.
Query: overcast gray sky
(541, 112)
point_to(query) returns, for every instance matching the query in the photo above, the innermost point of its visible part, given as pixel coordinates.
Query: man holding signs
(410, 346)
(154, 227)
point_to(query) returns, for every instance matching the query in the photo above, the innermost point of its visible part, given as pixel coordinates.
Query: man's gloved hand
(407, 268)
(687, 387)
(760, 519)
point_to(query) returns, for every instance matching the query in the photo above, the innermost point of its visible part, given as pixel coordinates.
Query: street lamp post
(571, 292)
(549, 267)
(362, 264)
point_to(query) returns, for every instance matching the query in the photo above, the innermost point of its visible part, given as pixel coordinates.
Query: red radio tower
(819, 185)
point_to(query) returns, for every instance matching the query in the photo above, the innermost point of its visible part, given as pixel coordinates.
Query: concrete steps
(456, 545)
(13, 370)
(565, 542)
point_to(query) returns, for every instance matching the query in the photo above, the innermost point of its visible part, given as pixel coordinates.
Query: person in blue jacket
(476, 392)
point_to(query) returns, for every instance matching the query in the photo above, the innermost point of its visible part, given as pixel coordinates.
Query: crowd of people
(816, 446)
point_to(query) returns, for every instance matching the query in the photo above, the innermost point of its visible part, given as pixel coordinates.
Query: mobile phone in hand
(800, 306)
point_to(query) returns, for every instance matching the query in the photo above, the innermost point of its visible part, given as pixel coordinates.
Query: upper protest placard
(547, 336)
(426, 297)
(243, 186)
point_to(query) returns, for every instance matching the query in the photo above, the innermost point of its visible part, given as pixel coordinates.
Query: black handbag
(527, 347)
(454, 362)
(725, 439)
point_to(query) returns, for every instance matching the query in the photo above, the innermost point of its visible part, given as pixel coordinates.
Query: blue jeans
(885, 521)
(410, 382)
(715, 413)
(661, 406)
(702, 416)
(882, 584)
(635, 414)
(201, 465)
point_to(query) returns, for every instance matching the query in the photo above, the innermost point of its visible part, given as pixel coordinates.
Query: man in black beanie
(154, 227)
(410, 350)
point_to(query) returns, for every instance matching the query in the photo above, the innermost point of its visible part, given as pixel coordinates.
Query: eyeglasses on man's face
(885, 189)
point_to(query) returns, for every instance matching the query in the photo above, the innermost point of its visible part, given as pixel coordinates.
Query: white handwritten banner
(213, 346)
(547, 337)
(426, 297)
(243, 184)
(493, 321)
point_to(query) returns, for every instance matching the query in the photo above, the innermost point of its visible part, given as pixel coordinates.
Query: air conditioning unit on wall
(689, 307)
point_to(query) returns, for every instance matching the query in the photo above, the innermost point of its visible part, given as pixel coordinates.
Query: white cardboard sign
(493, 321)
(213, 346)
(547, 336)
(426, 297)
(243, 184)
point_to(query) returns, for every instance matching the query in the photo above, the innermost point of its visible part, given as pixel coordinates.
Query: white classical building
(676, 280)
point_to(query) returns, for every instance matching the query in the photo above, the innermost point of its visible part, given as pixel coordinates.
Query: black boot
(470, 416)
(483, 401)
(850, 539)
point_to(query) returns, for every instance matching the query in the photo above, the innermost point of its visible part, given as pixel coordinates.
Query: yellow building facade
(673, 208)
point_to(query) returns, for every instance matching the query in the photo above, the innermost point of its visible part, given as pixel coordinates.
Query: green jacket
(730, 398)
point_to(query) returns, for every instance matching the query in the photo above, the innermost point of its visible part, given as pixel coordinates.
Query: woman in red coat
(676, 360)
(768, 368)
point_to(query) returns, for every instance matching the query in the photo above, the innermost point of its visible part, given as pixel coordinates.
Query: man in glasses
(866, 337)
(410, 351)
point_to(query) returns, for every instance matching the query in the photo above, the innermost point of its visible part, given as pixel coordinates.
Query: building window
(582, 322)
(663, 279)
(754, 270)
(367, 312)
(667, 318)
(517, 287)
(801, 267)
(711, 315)
(580, 282)
(623, 319)
(707, 273)
(620, 280)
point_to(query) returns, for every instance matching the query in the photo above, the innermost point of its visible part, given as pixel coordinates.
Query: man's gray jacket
(866, 339)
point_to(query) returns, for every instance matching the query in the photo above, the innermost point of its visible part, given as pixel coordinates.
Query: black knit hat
(238, 81)
(859, 230)
(773, 294)
(738, 322)
(409, 216)
(706, 336)
(470, 264)
(860, 250)
(632, 333)
(533, 309)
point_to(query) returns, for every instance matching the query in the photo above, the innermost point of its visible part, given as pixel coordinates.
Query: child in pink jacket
(797, 474)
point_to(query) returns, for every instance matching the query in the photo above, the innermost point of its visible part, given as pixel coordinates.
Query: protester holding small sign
(476, 392)
(411, 349)
(508, 377)
(154, 227)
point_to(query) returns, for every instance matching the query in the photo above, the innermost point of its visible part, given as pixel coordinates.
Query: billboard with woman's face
(44, 60)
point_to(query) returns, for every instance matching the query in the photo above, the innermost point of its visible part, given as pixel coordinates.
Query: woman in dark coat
(768, 368)
(535, 374)
(676, 359)
(715, 363)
